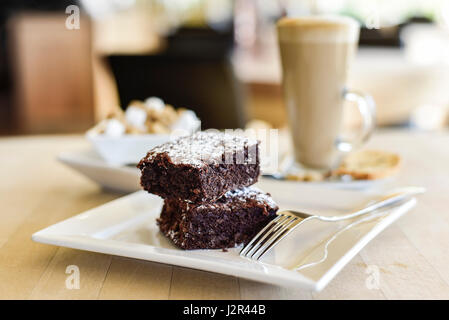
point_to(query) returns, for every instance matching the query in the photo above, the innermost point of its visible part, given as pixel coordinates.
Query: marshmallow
(136, 117)
(187, 120)
(114, 128)
(154, 103)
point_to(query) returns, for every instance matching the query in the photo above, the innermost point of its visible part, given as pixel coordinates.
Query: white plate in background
(335, 184)
(127, 227)
(124, 179)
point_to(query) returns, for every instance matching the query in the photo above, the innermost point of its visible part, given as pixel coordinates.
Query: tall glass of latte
(316, 53)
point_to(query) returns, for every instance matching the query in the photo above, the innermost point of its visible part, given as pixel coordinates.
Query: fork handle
(388, 200)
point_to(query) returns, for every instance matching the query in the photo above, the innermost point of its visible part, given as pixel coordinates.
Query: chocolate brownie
(233, 219)
(201, 167)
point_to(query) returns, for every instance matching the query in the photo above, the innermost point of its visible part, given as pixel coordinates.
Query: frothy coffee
(316, 53)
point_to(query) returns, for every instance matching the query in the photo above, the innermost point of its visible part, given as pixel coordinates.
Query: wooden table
(36, 191)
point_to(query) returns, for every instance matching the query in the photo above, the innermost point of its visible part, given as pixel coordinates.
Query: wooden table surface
(36, 191)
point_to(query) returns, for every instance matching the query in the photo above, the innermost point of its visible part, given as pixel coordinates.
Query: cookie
(307, 176)
(369, 165)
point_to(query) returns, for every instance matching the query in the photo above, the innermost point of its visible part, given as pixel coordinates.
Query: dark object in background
(8, 9)
(194, 72)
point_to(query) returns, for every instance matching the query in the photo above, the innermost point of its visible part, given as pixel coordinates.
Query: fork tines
(269, 236)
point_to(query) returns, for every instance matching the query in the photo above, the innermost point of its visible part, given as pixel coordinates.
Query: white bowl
(131, 148)
(126, 149)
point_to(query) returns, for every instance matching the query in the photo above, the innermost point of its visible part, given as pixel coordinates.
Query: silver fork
(287, 221)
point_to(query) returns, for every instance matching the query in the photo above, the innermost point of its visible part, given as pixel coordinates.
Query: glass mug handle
(367, 108)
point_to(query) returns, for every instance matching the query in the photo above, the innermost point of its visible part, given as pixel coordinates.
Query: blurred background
(60, 73)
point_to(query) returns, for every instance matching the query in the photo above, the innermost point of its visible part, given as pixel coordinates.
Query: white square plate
(127, 227)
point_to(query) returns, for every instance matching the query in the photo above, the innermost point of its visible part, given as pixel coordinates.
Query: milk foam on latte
(319, 29)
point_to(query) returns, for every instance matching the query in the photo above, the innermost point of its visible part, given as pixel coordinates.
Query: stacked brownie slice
(204, 180)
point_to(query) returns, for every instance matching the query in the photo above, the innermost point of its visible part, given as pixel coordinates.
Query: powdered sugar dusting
(254, 193)
(208, 147)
